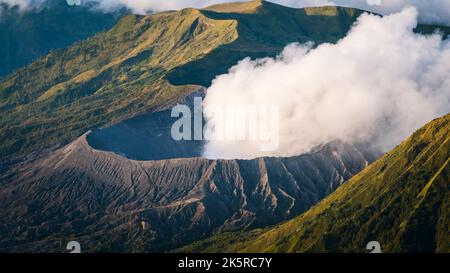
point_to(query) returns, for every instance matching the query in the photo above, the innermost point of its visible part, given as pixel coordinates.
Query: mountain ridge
(27, 35)
(257, 6)
(55, 185)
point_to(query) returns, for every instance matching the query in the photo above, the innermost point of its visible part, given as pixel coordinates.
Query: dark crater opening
(145, 137)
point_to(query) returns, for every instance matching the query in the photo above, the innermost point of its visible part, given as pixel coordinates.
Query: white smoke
(377, 85)
(430, 11)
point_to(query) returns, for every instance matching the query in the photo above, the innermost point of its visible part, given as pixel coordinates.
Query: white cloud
(377, 85)
(142, 6)
(430, 11)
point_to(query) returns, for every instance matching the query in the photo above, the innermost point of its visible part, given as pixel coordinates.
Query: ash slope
(110, 203)
(401, 201)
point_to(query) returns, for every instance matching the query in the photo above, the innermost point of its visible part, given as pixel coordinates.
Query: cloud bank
(377, 85)
(430, 11)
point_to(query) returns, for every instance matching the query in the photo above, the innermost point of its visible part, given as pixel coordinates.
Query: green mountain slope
(401, 201)
(145, 63)
(111, 76)
(28, 35)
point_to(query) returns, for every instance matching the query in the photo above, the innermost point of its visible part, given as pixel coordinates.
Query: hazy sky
(431, 11)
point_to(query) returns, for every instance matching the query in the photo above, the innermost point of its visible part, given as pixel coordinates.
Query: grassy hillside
(401, 200)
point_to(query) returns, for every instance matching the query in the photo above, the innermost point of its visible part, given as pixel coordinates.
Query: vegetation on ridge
(401, 201)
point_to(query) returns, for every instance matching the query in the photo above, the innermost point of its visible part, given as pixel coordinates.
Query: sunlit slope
(401, 201)
(123, 72)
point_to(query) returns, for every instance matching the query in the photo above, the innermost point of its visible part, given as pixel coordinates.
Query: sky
(430, 11)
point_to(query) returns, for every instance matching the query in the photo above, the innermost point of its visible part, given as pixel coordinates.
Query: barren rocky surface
(112, 203)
